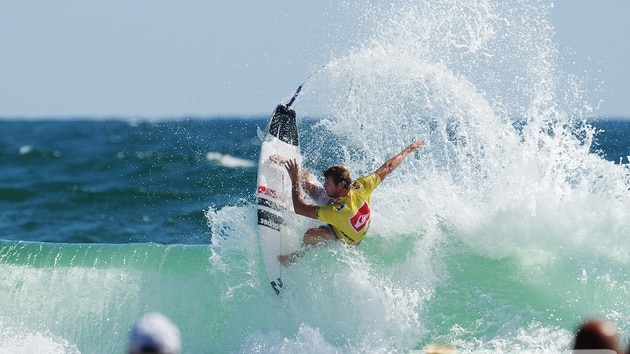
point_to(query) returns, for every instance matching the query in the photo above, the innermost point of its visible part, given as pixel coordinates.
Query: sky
(593, 34)
(205, 58)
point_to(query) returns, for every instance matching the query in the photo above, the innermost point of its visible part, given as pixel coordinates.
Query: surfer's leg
(317, 235)
(312, 237)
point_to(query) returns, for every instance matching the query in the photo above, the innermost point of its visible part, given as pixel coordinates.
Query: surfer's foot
(287, 259)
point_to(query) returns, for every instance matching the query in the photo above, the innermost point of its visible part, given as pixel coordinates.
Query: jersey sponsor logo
(339, 207)
(361, 218)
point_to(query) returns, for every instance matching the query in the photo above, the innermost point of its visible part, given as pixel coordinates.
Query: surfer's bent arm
(307, 182)
(397, 159)
(306, 177)
(299, 205)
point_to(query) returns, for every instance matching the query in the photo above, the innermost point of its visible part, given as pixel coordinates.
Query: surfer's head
(154, 333)
(337, 178)
(339, 174)
(597, 334)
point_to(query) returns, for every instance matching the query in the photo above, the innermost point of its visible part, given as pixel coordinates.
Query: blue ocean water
(508, 229)
(122, 181)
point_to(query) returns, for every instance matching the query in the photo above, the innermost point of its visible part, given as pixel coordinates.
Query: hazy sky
(597, 32)
(156, 58)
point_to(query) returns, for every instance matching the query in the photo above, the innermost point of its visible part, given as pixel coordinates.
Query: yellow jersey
(350, 216)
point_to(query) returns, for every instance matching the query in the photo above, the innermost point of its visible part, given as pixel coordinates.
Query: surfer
(348, 217)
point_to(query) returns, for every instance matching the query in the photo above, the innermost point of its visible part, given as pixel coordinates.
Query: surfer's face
(334, 190)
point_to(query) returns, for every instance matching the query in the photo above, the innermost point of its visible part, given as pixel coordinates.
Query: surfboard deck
(273, 193)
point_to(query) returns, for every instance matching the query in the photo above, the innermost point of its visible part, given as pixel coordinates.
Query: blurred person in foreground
(154, 333)
(596, 336)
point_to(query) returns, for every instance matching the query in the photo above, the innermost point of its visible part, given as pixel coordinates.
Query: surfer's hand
(415, 145)
(294, 170)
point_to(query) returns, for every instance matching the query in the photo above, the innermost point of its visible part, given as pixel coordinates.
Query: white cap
(155, 333)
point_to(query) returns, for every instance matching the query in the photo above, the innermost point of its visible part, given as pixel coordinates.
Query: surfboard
(273, 193)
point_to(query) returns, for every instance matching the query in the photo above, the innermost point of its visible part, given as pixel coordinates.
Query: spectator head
(597, 334)
(154, 333)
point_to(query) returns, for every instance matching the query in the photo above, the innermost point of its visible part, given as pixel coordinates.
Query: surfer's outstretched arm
(397, 159)
(308, 183)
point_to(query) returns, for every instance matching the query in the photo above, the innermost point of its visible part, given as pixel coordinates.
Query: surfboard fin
(283, 125)
(277, 286)
(260, 133)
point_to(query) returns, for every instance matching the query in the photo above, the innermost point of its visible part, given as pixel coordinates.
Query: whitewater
(501, 235)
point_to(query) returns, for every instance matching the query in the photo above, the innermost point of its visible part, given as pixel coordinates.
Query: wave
(85, 295)
(507, 209)
(227, 160)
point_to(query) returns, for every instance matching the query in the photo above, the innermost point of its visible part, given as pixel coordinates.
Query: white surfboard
(275, 207)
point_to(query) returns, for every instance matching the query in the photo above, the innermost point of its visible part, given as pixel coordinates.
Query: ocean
(501, 235)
